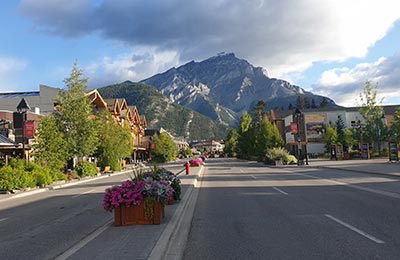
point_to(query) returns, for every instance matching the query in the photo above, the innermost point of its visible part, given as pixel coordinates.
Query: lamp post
(301, 135)
(23, 108)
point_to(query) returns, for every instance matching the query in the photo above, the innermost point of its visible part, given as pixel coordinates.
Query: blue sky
(329, 47)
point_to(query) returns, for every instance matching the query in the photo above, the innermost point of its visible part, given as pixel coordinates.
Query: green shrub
(86, 169)
(7, 182)
(115, 165)
(43, 179)
(74, 175)
(290, 159)
(41, 174)
(57, 175)
(279, 154)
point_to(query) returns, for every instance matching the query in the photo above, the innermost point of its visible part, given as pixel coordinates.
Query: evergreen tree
(306, 102)
(313, 105)
(300, 102)
(245, 136)
(259, 112)
(74, 116)
(231, 142)
(340, 127)
(290, 107)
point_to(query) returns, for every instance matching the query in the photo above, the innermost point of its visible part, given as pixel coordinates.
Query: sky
(328, 47)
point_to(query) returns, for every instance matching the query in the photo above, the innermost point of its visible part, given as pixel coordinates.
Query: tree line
(373, 130)
(254, 136)
(76, 130)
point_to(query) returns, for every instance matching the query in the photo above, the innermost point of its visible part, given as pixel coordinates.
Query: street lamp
(23, 108)
(378, 133)
(301, 135)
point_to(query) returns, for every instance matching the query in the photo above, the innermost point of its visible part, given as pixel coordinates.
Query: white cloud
(283, 36)
(10, 71)
(134, 66)
(344, 85)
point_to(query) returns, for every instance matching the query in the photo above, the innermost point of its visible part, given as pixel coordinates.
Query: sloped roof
(4, 141)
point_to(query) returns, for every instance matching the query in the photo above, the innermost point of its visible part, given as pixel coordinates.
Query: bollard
(187, 166)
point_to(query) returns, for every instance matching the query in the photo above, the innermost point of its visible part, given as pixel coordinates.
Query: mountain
(161, 112)
(224, 86)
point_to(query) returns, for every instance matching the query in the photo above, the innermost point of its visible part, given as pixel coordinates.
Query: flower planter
(139, 215)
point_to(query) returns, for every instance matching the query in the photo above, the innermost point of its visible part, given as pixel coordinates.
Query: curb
(173, 239)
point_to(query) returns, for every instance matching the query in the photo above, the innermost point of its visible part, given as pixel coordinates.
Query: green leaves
(165, 148)
(73, 116)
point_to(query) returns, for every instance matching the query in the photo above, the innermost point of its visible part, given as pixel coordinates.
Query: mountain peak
(224, 86)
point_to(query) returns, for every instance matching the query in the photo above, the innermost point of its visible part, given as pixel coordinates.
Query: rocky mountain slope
(224, 86)
(161, 112)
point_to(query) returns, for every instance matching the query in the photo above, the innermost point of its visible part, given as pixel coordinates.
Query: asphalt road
(44, 225)
(248, 211)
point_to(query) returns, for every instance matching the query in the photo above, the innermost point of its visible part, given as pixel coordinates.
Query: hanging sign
(294, 128)
(29, 129)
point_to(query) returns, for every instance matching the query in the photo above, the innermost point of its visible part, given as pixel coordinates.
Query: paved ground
(154, 241)
(380, 166)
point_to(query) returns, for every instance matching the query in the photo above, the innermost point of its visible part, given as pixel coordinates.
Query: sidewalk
(142, 241)
(380, 166)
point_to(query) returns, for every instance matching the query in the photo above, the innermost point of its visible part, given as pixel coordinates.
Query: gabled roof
(143, 121)
(135, 115)
(96, 99)
(113, 105)
(122, 103)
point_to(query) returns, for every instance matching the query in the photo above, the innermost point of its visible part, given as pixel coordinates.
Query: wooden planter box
(136, 215)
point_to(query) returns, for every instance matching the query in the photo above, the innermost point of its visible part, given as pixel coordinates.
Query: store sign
(29, 129)
(294, 128)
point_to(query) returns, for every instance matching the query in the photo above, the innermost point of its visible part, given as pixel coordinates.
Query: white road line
(357, 187)
(84, 241)
(376, 240)
(77, 195)
(281, 191)
(2, 219)
(254, 177)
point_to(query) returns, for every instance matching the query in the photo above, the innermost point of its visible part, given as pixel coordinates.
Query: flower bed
(196, 162)
(145, 192)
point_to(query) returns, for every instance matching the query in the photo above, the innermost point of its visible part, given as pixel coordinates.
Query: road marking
(2, 219)
(357, 187)
(374, 239)
(86, 192)
(254, 177)
(84, 241)
(281, 191)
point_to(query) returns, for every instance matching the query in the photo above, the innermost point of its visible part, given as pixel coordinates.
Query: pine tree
(340, 127)
(306, 102)
(313, 105)
(259, 112)
(245, 136)
(299, 102)
(231, 142)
